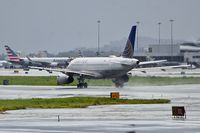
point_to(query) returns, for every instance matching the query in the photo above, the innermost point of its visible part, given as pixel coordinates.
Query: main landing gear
(119, 82)
(81, 83)
(119, 85)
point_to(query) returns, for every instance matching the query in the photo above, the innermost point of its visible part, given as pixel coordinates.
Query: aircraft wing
(164, 68)
(121, 63)
(70, 72)
(151, 62)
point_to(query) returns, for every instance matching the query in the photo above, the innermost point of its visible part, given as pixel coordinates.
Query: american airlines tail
(129, 49)
(12, 56)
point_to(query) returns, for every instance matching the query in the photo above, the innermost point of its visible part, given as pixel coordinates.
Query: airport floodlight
(98, 34)
(171, 21)
(138, 22)
(159, 23)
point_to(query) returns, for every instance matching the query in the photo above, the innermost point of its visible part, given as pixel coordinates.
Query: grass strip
(72, 102)
(29, 80)
(133, 81)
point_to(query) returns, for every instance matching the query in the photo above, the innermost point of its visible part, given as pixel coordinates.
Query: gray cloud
(61, 25)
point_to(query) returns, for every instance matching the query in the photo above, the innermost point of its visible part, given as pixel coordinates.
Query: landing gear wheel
(78, 85)
(85, 85)
(118, 85)
(81, 83)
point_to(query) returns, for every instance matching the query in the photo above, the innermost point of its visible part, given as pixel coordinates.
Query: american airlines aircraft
(112, 67)
(4, 63)
(39, 62)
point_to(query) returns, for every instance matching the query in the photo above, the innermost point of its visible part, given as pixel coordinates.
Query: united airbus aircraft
(112, 67)
(40, 62)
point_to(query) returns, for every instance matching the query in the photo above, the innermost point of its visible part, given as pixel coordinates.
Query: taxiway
(110, 118)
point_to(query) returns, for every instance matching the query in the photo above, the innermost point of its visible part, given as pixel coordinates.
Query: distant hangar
(184, 52)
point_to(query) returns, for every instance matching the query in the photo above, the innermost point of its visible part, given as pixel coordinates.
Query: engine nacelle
(64, 79)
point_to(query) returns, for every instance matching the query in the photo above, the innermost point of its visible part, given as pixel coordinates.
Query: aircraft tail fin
(29, 59)
(130, 45)
(12, 56)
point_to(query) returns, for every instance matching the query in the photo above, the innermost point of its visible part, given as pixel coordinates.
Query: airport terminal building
(185, 52)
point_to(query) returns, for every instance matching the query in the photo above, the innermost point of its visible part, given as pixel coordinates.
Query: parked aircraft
(112, 67)
(40, 62)
(4, 63)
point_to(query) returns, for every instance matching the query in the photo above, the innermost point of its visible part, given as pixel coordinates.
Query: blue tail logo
(129, 49)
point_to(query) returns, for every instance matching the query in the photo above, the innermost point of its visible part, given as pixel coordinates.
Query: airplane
(115, 68)
(40, 62)
(4, 63)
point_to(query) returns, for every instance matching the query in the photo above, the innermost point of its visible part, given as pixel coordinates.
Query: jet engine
(64, 79)
(119, 82)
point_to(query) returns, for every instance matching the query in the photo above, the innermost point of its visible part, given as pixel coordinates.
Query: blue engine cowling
(64, 79)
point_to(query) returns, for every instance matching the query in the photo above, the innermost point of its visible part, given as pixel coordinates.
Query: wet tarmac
(110, 118)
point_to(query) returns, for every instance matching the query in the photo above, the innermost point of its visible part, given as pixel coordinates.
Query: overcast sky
(62, 25)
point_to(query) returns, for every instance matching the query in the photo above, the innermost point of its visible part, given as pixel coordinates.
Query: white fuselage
(107, 67)
(48, 59)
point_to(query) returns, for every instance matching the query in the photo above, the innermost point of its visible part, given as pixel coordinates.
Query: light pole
(171, 21)
(98, 52)
(137, 35)
(159, 23)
